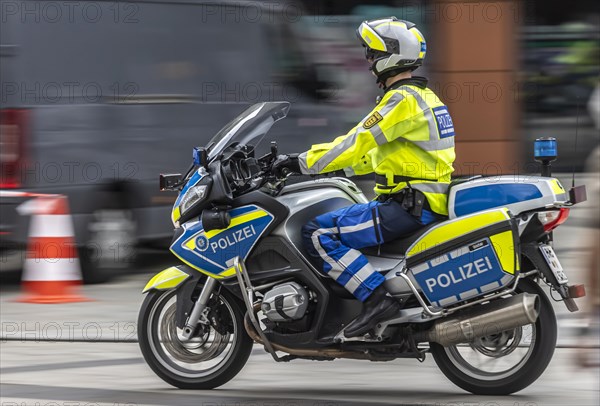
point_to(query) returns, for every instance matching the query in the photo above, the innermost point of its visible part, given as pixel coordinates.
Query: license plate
(554, 264)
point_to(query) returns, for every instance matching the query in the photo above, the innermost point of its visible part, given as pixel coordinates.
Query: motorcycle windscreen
(249, 128)
(466, 257)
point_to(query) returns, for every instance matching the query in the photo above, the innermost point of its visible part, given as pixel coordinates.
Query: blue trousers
(333, 239)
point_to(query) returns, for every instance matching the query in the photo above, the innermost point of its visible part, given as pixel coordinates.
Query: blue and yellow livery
(465, 257)
(212, 252)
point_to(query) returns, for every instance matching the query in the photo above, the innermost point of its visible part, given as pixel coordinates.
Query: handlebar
(243, 175)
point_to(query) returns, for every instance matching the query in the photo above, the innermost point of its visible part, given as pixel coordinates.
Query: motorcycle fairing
(212, 252)
(166, 279)
(518, 194)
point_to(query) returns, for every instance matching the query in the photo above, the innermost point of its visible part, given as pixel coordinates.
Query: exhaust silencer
(484, 320)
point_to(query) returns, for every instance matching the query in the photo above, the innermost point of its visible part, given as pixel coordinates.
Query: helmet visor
(372, 54)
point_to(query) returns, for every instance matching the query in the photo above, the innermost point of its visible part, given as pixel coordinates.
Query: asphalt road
(96, 361)
(115, 374)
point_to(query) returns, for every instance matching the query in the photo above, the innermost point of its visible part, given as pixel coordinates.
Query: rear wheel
(217, 351)
(506, 362)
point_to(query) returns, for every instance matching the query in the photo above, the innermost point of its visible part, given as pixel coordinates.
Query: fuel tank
(306, 200)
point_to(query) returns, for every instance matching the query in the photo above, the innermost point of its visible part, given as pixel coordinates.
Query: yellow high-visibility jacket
(407, 139)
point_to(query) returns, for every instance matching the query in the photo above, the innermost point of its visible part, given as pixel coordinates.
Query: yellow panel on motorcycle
(466, 257)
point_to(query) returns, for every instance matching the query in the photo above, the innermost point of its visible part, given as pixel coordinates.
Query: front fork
(192, 321)
(247, 294)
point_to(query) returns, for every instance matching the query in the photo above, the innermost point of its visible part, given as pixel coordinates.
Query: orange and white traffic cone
(51, 273)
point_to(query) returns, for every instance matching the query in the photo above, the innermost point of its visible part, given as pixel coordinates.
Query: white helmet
(392, 45)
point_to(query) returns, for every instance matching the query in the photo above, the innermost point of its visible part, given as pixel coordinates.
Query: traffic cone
(51, 273)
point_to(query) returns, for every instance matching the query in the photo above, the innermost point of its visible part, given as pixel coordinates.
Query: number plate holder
(554, 264)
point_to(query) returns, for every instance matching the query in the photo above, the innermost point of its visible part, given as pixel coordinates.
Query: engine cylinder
(285, 302)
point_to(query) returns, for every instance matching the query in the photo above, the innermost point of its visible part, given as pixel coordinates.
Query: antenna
(576, 130)
(577, 194)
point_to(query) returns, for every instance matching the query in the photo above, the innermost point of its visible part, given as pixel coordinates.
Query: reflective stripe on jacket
(409, 134)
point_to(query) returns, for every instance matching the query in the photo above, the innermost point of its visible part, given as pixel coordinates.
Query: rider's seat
(462, 179)
(398, 247)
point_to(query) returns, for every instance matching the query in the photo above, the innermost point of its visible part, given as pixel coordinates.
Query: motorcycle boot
(377, 308)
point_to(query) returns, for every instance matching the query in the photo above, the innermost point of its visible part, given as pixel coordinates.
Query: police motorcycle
(470, 286)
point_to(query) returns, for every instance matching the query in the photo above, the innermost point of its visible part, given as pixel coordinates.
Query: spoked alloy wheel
(494, 357)
(217, 351)
(505, 362)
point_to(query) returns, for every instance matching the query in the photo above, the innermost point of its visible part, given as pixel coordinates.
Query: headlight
(192, 196)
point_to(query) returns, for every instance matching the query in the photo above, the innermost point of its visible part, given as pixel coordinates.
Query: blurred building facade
(99, 97)
(509, 71)
(475, 68)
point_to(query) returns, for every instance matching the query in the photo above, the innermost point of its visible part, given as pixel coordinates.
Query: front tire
(539, 354)
(210, 359)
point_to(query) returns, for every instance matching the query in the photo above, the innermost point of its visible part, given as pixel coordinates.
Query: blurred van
(99, 97)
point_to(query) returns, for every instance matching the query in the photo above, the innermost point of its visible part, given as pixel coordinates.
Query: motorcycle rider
(407, 140)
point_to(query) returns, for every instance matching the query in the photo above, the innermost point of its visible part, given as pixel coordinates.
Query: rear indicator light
(553, 218)
(13, 127)
(576, 291)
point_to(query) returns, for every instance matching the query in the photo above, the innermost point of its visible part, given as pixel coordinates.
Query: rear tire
(157, 357)
(527, 373)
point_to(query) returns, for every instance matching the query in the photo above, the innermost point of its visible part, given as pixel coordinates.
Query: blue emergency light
(545, 150)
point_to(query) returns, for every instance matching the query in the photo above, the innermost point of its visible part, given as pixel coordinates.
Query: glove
(283, 162)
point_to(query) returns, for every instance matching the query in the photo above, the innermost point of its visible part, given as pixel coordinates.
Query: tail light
(13, 126)
(553, 218)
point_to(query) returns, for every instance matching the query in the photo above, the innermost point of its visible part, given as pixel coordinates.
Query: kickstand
(420, 354)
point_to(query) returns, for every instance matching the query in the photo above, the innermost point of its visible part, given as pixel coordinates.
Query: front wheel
(217, 351)
(506, 362)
